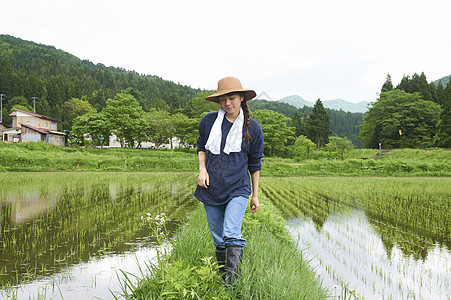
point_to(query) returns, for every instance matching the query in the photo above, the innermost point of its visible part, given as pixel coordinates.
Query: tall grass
(361, 162)
(272, 265)
(46, 157)
(33, 156)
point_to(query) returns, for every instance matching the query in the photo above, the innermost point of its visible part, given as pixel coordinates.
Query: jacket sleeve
(201, 140)
(256, 148)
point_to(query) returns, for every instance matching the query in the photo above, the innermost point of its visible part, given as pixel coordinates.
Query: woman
(230, 146)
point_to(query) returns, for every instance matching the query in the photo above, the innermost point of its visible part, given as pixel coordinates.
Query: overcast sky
(315, 49)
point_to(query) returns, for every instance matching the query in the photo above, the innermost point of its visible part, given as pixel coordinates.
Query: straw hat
(228, 85)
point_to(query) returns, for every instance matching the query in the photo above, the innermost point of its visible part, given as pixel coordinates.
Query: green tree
(161, 129)
(443, 137)
(7, 78)
(303, 148)
(134, 92)
(74, 108)
(20, 103)
(197, 106)
(186, 130)
(440, 93)
(128, 120)
(35, 87)
(388, 85)
(318, 125)
(174, 103)
(404, 84)
(398, 110)
(423, 88)
(298, 123)
(98, 99)
(339, 145)
(276, 131)
(433, 91)
(96, 125)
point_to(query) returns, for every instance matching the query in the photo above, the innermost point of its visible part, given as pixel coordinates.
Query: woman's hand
(255, 205)
(204, 179)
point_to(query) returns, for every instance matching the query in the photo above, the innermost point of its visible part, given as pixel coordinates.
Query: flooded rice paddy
(68, 235)
(371, 238)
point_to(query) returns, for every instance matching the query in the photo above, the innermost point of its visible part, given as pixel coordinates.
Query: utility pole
(34, 103)
(1, 107)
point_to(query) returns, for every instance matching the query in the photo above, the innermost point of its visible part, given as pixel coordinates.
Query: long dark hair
(247, 122)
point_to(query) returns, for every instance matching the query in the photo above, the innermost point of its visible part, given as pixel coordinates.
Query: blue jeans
(225, 222)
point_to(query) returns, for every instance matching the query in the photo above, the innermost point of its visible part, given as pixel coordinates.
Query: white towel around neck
(234, 137)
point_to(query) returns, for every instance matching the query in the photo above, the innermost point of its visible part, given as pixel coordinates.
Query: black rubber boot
(221, 258)
(234, 257)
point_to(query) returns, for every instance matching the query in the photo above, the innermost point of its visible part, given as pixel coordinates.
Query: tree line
(126, 119)
(52, 76)
(99, 100)
(414, 114)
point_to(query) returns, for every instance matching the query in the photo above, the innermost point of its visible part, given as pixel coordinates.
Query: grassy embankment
(272, 268)
(359, 162)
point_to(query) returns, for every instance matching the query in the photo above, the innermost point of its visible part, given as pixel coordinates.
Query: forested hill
(342, 124)
(444, 80)
(53, 76)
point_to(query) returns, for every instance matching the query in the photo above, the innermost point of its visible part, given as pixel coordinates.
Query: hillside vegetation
(414, 114)
(54, 77)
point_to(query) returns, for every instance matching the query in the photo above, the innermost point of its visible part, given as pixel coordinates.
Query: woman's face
(231, 103)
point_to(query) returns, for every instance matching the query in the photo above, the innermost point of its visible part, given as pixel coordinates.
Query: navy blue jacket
(229, 174)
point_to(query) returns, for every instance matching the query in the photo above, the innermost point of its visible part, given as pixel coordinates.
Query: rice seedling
(384, 237)
(52, 221)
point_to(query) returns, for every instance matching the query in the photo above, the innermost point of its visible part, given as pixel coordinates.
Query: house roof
(14, 114)
(42, 130)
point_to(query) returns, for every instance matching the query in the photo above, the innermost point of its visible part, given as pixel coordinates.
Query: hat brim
(248, 94)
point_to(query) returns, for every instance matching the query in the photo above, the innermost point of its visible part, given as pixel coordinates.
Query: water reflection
(348, 251)
(48, 228)
(99, 278)
(387, 238)
(410, 239)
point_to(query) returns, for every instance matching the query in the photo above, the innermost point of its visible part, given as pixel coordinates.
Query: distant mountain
(344, 105)
(444, 80)
(335, 104)
(296, 101)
